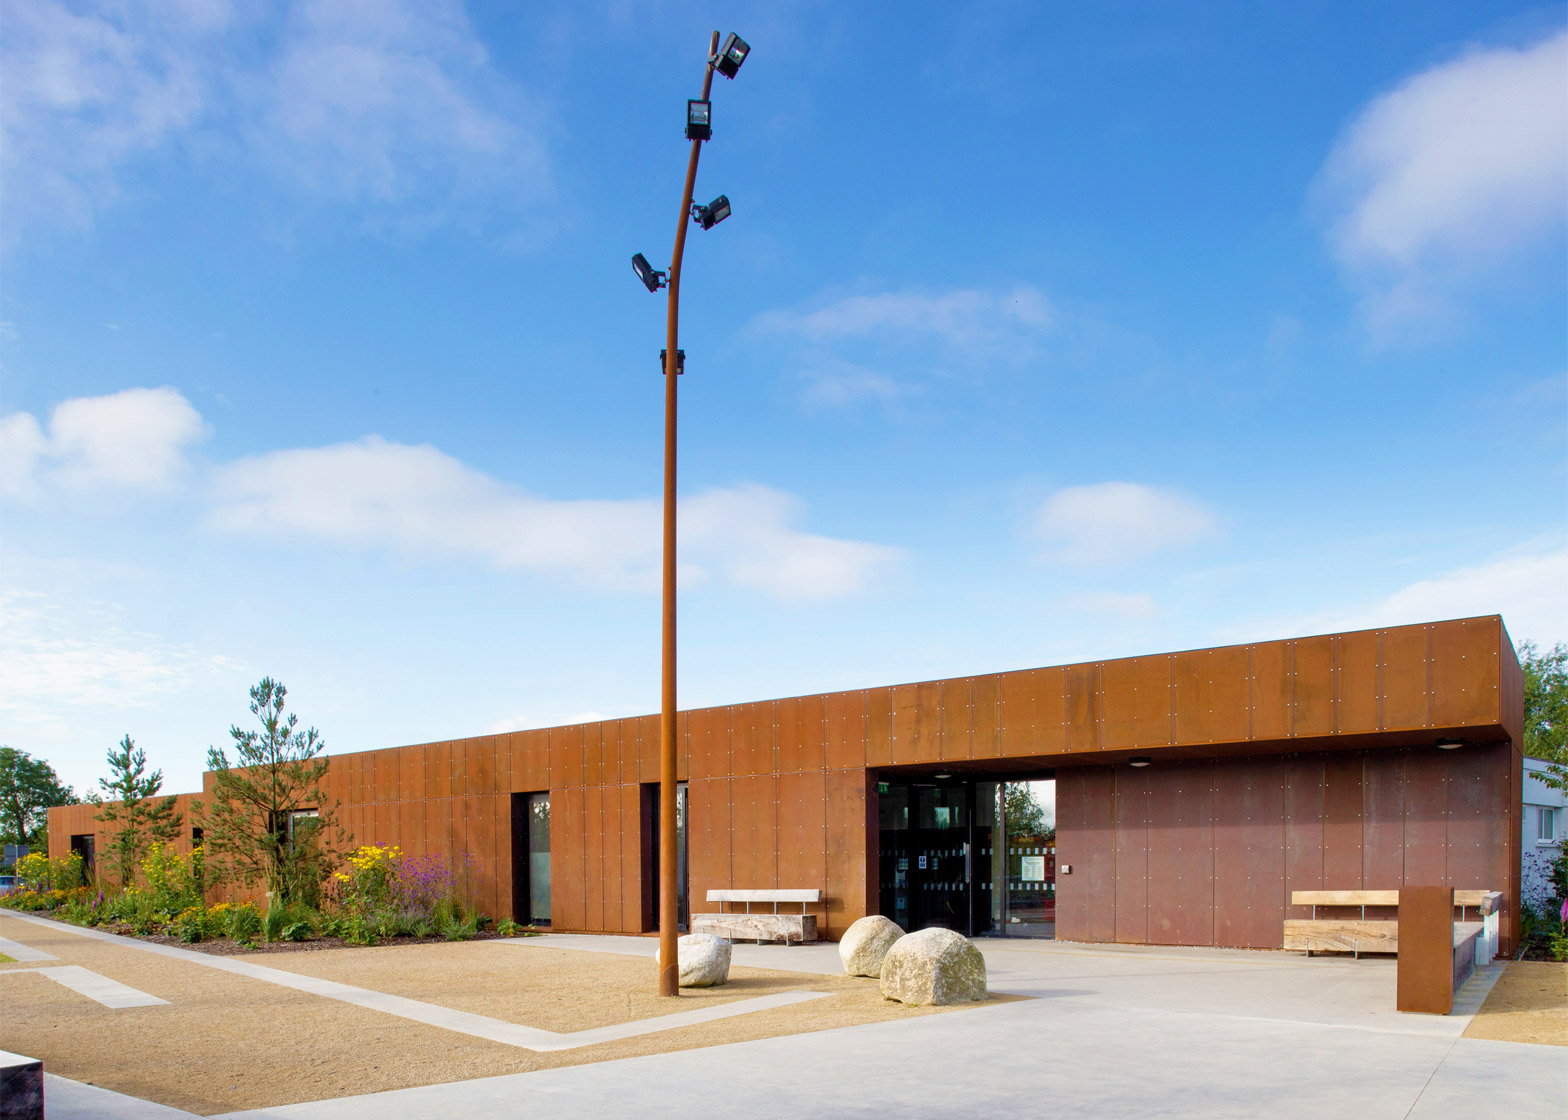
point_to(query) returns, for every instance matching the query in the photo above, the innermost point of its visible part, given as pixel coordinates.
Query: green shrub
(244, 923)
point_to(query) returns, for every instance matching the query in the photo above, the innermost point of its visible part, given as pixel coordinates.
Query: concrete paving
(1110, 1030)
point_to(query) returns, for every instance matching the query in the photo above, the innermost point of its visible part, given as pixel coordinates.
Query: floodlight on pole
(699, 119)
(651, 277)
(712, 214)
(731, 55)
(680, 361)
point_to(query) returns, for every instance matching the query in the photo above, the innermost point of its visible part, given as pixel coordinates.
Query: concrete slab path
(1113, 1030)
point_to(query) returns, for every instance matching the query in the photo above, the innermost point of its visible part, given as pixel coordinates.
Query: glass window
(1546, 825)
(539, 859)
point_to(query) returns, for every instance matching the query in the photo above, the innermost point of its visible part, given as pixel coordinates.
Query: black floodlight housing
(680, 361)
(712, 214)
(731, 55)
(651, 278)
(699, 119)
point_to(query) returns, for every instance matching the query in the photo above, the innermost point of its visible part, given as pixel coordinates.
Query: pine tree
(268, 818)
(129, 804)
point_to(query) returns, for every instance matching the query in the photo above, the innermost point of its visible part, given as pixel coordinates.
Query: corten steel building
(1193, 792)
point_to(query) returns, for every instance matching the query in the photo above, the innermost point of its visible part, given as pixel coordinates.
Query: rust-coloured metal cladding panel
(802, 816)
(917, 722)
(1131, 854)
(1510, 686)
(1383, 820)
(501, 812)
(985, 716)
(802, 733)
(593, 857)
(1426, 816)
(752, 738)
(957, 719)
(531, 762)
(708, 838)
(1359, 669)
(385, 817)
(630, 795)
(481, 766)
(1249, 851)
(566, 756)
(1083, 708)
(851, 840)
(1119, 711)
(1477, 775)
(593, 754)
(1086, 842)
(1034, 712)
(409, 830)
(505, 747)
(438, 826)
(682, 747)
(1406, 679)
(1465, 662)
(1181, 853)
(754, 826)
(648, 748)
(1304, 808)
(1513, 860)
(568, 905)
(438, 770)
(846, 730)
(460, 766)
(710, 743)
(1425, 974)
(1211, 696)
(1269, 689)
(411, 773)
(1312, 686)
(879, 727)
(354, 766)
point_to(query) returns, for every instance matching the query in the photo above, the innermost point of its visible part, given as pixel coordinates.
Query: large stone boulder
(865, 943)
(704, 960)
(933, 966)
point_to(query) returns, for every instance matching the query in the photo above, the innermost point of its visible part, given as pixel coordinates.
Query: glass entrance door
(948, 857)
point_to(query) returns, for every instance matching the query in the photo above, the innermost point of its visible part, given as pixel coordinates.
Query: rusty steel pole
(669, 900)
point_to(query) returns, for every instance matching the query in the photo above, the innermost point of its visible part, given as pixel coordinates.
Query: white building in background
(1545, 821)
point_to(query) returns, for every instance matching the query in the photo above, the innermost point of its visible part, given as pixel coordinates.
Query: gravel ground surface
(1529, 1003)
(227, 1042)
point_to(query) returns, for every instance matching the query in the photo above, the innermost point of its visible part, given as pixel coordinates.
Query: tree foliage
(1024, 815)
(29, 788)
(254, 829)
(1546, 708)
(129, 804)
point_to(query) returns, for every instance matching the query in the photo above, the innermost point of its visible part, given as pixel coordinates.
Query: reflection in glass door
(1029, 902)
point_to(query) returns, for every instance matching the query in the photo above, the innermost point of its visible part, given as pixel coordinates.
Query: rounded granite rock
(866, 942)
(704, 960)
(933, 966)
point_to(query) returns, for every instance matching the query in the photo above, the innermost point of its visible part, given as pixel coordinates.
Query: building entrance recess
(947, 858)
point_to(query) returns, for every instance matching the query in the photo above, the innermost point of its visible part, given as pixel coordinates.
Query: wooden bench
(760, 927)
(1475, 943)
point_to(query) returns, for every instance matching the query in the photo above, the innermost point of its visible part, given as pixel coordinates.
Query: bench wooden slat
(757, 927)
(765, 896)
(1378, 898)
(1349, 936)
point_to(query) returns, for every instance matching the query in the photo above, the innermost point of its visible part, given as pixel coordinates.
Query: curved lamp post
(699, 127)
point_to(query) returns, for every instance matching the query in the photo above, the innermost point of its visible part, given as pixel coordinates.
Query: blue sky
(1038, 334)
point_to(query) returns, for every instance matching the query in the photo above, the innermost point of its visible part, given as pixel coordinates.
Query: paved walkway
(1112, 1030)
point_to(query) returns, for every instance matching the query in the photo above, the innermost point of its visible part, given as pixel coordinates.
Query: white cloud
(833, 384)
(420, 502)
(1527, 586)
(1457, 168)
(1117, 522)
(133, 440)
(383, 101)
(965, 317)
(56, 658)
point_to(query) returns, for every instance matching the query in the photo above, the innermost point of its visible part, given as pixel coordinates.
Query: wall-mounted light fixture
(1450, 744)
(1139, 760)
(942, 776)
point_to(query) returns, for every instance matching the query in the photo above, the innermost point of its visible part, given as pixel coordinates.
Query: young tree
(29, 788)
(1546, 709)
(129, 804)
(1024, 814)
(268, 819)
